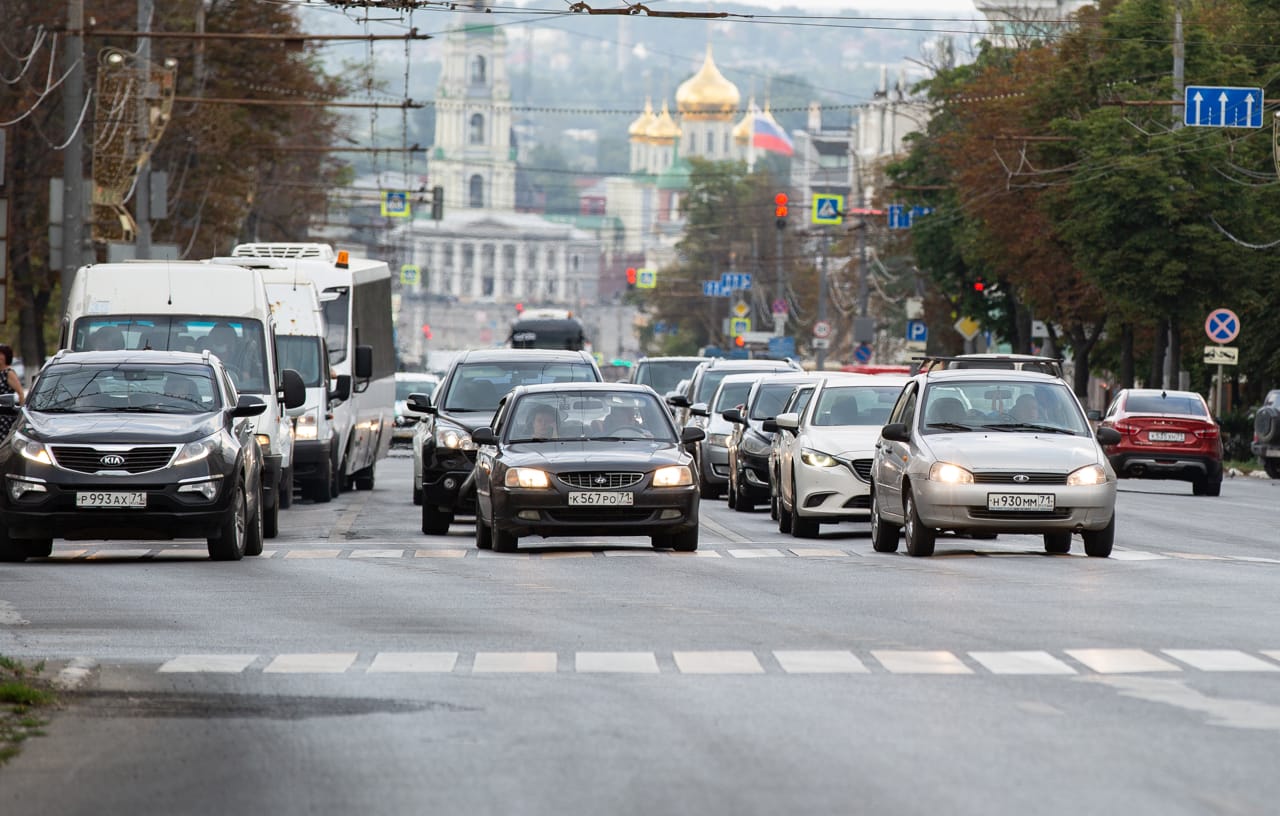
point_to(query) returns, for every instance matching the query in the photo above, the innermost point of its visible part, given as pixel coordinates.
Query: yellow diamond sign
(741, 309)
(968, 327)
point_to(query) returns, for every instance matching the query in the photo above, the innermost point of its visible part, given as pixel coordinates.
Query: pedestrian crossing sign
(410, 275)
(827, 209)
(739, 326)
(395, 203)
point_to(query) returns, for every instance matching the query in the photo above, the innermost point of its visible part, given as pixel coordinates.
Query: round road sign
(821, 329)
(1222, 326)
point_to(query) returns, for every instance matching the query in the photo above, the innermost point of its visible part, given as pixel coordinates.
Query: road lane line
(1021, 663)
(818, 552)
(1121, 661)
(900, 662)
(722, 662)
(498, 662)
(313, 553)
(318, 663)
(616, 662)
(820, 662)
(416, 662)
(207, 663)
(440, 554)
(376, 554)
(1220, 660)
(761, 553)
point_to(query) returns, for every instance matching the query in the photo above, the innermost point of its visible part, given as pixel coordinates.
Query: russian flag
(766, 135)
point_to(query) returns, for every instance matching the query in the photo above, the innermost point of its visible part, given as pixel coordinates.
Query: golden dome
(640, 127)
(743, 130)
(664, 128)
(707, 94)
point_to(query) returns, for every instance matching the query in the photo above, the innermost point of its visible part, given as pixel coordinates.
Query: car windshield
(1001, 405)
(856, 405)
(126, 387)
(664, 375)
(479, 386)
(769, 400)
(712, 378)
(589, 415)
(1182, 404)
(237, 341)
(406, 387)
(731, 395)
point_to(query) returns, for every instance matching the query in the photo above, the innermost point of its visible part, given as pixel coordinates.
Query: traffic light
(437, 203)
(739, 341)
(631, 277)
(426, 330)
(780, 209)
(979, 286)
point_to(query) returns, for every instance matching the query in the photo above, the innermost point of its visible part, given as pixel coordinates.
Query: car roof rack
(926, 363)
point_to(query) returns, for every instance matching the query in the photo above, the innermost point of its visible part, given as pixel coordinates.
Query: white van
(193, 306)
(355, 295)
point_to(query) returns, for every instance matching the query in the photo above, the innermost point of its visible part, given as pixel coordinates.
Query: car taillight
(1207, 433)
(1126, 428)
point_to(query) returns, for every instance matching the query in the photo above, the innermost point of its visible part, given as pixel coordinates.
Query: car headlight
(31, 449)
(450, 436)
(817, 458)
(304, 427)
(718, 440)
(195, 451)
(949, 474)
(264, 442)
(755, 446)
(1087, 475)
(526, 477)
(672, 476)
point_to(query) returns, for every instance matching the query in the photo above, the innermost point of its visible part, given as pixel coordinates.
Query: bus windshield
(549, 333)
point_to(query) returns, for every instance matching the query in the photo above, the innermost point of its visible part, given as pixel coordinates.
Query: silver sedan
(985, 452)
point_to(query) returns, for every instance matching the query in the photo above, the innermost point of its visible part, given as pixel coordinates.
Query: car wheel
(1097, 543)
(335, 478)
(484, 535)
(11, 551)
(286, 489)
(733, 495)
(1206, 487)
(435, 521)
(1057, 543)
(773, 507)
(884, 534)
(417, 496)
(320, 489)
(800, 527)
(364, 478)
(784, 515)
(706, 491)
(740, 502)
(920, 539)
(229, 545)
(253, 536)
(503, 541)
(684, 542)
(271, 519)
(1272, 467)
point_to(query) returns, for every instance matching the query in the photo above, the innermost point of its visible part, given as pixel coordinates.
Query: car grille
(1012, 477)
(596, 515)
(984, 513)
(862, 469)
(85, 459)
(591, 479)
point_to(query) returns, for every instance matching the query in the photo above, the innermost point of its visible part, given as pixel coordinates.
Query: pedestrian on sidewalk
(9, 384)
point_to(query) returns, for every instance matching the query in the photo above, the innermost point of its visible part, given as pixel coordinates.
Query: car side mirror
(678, 400)
(896, 432)
(787, 422)
(484, 436)
(1093, 415)
(734, 415)
(700, 409)
(293, 391)
(420, 403)
(341, 388)
(688, 434)
(1108, 436)
(770, 425)
(248, 406)
(9, 404)
(364, 362)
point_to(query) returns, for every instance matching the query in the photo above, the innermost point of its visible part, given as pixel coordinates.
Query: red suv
(1165, 435)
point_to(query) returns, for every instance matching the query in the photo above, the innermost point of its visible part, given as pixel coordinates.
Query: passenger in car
(544, 422)
(1026, 409)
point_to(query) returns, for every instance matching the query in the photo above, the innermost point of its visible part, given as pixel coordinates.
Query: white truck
(355, 296)
(193, 306)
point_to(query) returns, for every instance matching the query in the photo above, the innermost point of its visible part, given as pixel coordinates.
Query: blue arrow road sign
(1208, 106)
(735, 280)
(1222, 326)
(715, 289)
(898, 217)
(917, 331)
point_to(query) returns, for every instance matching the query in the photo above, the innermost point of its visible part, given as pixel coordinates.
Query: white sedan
(825, 466)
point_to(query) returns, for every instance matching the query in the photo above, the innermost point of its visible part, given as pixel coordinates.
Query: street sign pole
(779, 325)
(822, 296)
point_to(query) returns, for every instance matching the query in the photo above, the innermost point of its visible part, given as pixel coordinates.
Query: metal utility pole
(1172, 351)
(864, 282)
(73, 154)
(779, 320)
(142, 186)
(822, 296)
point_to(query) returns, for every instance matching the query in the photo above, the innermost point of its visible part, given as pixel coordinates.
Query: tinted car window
(406, 387)
(769, 400)
(664, 376)
(865, 405)
(479, 386)
(132, 388)
(1155, 404)
(731, 395)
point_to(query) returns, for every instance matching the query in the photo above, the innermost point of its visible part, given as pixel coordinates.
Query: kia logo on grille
(1022, 478)
(112, 460)
(602, 479)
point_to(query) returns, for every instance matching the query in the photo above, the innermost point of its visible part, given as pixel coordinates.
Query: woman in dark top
(9, 384)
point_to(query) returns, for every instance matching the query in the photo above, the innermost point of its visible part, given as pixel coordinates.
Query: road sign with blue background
(410, 275)
(646, 278)
(1222, 326)
(395, 203)
(739, 325)
(917, 331)
(715, 289)
(735, 280)
(827, 209)
(862, 353)
(780, 347)
(902, 217)
(1210, 106)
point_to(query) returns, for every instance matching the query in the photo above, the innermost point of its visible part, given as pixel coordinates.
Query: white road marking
(1244, 714)
(1136, 555)
(1021, 663)
(313, 553)
(626, 553)
(440, 554)
(817, 662)
(1121, 661)
(624, 662)
(718, 663)
(921, 662)
(1220, 660)
(418, 662)
(538, 662)
(213, 664)
(122, 554)
(377, 553)
(817, 552)
(318, 663)
(696, 554)
(765, 553)
(566, 554)
(75, 673)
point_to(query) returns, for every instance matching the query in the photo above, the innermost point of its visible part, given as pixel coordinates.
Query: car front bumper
(715, 465)
(964, 507)
(168, 514)
(831, 493)
(655, 511)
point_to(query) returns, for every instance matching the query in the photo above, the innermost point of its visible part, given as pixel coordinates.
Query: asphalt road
(362, 667)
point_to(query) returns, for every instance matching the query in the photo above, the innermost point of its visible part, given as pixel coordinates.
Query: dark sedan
(138, 445)
(585, 460)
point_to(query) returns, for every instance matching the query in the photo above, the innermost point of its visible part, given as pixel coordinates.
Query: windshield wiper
(950, 426)
(1030, 426)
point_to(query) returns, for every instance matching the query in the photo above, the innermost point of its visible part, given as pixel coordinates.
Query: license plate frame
(601, 498)
(1021, 502)
(111, 499)
(1166, 436)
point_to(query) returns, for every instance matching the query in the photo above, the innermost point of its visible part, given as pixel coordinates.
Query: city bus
(548, 329)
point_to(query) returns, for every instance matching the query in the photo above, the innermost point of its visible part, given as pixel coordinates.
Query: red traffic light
(519, 308)
(631, 276)
(780, 205)
(979, 286)
(426, 330)
(739, 341)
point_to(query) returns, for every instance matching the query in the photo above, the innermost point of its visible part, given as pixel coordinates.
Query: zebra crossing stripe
(537, 662)
(1021, 663)
(1121, 661)
(921, 662)
(416, 662)
(332, 663)
(723, 662)
(801, 662)
(1220, 660)
(209, 664)
(628, 662)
